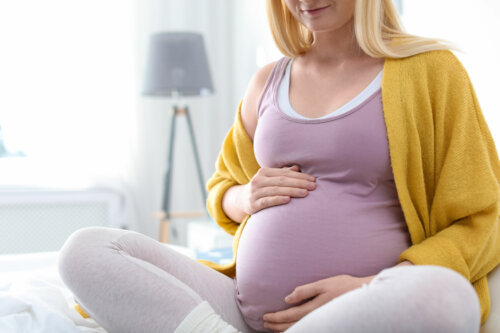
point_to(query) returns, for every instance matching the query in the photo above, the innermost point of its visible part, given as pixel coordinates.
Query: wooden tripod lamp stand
(177, 67)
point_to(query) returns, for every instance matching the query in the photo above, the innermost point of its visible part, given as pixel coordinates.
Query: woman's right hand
(274, 186)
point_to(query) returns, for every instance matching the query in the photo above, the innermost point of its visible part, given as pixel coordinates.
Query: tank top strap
(272, 85)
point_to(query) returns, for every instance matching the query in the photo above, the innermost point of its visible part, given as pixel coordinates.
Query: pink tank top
(352, 223)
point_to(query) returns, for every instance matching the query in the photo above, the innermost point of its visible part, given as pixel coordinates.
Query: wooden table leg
(165, 223)
(164, 230)
(164, 227)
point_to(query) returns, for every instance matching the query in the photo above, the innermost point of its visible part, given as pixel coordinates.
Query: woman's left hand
(322, 292)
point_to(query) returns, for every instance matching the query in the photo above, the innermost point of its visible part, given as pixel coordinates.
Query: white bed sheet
(33, 298)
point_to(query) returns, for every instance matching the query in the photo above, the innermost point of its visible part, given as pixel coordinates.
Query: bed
(33, 299)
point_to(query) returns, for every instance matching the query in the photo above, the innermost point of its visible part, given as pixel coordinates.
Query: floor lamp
(177, 67)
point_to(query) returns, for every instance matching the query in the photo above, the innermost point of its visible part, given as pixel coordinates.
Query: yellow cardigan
(444, 161)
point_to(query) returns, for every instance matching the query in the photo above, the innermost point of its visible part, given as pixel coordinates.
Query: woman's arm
(319, 293)
(249, 106)
(230, 204)
(236, 164)
(230, 200)
(267, 187)
(462, 220)
(445, 166)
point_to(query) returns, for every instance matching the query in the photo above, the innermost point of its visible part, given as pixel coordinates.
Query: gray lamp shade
(177, 62)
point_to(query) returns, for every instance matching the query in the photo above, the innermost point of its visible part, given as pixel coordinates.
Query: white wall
(474, 27)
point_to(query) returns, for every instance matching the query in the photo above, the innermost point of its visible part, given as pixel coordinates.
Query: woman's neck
(335, 46)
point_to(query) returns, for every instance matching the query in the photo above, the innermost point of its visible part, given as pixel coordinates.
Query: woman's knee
(441, 299)
(453, 302)
(80, 251)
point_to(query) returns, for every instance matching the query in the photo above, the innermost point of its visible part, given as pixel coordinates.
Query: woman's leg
(401, 299)
(129, 282)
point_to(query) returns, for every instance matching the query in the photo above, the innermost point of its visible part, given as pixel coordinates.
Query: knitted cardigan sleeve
(461, 175)
(464, 212)
(235, 165)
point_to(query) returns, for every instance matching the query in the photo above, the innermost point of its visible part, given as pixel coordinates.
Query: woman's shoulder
(255, 88)
(433, 68)
(437, 61)
(259, 79)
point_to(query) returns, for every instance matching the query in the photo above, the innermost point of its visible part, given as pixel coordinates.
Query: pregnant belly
(309, 239)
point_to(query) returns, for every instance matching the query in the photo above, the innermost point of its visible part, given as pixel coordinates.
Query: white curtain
(68, 92)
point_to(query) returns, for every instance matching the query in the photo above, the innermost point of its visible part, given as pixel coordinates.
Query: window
(67, 91)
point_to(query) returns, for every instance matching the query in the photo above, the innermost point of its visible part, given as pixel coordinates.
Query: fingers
(291, 315)
(267, 196)
(267, 201)
(276, 186)
(304, 292)
(272, 177)
(285, 181)
(293, 171)
(281, 191)
(278, 327)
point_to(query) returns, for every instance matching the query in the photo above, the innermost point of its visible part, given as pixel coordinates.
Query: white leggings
(129, 282)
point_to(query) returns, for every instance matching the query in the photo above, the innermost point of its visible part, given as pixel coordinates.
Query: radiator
(41, 220)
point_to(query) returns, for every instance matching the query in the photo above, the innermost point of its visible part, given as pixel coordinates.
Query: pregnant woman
(360, 182)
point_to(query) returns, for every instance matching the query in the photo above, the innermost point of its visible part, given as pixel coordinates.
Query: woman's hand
(321, 292)
(274, 186)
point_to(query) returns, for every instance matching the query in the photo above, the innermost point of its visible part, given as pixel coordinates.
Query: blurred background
(81, 145)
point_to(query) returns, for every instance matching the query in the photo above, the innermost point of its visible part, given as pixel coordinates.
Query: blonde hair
(377, 26)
